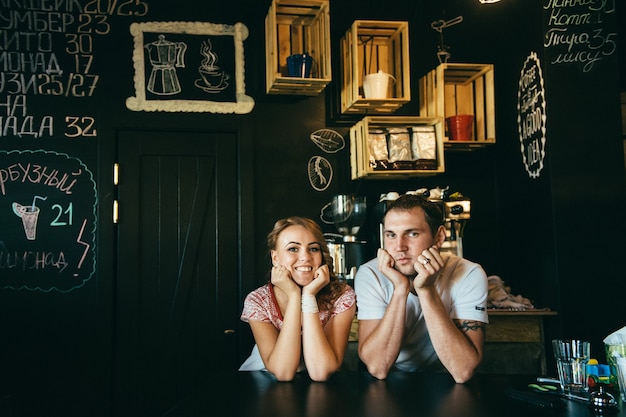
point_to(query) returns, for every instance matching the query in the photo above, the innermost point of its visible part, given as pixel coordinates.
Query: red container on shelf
(460, 127)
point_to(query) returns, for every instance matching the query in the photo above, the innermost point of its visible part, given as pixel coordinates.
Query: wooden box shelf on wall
(297, 27)
(454, 89)
(370, 46)
(364, 165)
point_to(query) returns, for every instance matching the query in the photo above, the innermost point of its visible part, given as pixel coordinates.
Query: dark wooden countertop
(357, 394)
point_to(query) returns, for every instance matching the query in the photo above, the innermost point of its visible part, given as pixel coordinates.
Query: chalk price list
(577, 34)
(47, 49)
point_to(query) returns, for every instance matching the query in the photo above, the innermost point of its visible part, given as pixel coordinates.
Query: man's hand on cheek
(428, 263)
(386, 265)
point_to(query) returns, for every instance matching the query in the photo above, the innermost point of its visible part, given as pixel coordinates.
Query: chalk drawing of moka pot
(165, 56)
(212, 78)
(29, 215)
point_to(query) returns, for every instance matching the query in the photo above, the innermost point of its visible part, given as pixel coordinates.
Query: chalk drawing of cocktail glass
(29, 215)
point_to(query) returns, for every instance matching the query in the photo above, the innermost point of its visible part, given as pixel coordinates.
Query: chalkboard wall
(67, 69)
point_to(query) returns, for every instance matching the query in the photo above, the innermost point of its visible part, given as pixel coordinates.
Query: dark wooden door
(176, 291)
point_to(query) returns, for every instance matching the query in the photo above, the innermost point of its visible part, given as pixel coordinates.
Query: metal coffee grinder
(348, 213)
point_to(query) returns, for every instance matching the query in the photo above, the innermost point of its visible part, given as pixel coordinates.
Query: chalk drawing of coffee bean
(320, 173)
(328, 140)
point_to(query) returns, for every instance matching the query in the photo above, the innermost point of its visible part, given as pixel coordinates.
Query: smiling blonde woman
(301, 318)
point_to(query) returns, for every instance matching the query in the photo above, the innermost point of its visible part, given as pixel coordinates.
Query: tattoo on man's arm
(470, 325)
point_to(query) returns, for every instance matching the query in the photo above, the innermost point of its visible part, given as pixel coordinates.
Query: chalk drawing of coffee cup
(213, 78)
(29, 215)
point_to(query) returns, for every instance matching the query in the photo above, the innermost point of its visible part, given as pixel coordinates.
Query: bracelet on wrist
(309, 304)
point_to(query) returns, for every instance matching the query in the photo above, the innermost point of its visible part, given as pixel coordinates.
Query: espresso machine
(347, 212)
(455, 208)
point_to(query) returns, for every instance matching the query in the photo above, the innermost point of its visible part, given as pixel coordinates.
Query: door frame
(245, 232)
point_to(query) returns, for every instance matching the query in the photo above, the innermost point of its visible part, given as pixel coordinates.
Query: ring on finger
(426, 261)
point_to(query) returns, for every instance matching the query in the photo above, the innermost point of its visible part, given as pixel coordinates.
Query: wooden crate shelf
(297, 27)
(456, 88)
(364, 165)
(367, 47)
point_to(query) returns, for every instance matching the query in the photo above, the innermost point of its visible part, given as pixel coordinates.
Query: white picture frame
(169, 60)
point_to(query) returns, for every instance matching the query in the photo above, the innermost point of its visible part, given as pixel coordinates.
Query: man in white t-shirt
(418, 309)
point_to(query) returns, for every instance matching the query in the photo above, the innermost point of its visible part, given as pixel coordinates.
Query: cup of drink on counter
(621, 375)
(571, 360)
(616, 358)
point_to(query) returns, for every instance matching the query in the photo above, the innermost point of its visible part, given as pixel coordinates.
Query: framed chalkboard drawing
(189, 67)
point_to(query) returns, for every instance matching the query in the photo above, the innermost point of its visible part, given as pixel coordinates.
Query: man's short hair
(433, 211)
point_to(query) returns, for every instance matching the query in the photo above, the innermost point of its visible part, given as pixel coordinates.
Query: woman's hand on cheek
(281, 278)
(322, 278)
